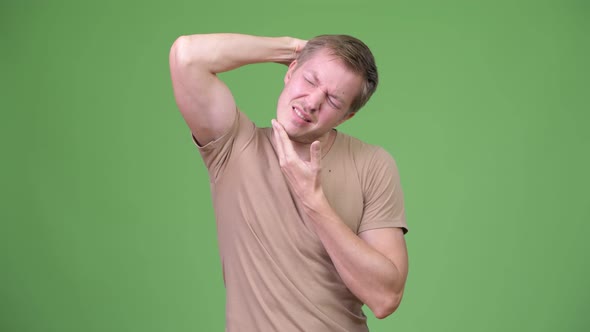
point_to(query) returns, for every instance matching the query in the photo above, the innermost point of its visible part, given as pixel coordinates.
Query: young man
(310, 221)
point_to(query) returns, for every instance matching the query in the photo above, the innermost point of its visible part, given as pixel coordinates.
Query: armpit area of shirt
(221, 139)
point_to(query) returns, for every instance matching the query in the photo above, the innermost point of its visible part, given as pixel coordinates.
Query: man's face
(316, 97)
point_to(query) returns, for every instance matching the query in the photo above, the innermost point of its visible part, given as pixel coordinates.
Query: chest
(257, 179)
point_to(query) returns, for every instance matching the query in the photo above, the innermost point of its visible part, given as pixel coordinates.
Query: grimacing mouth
(301, 115)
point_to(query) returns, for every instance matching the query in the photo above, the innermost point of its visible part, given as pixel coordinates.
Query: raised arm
(205, 102)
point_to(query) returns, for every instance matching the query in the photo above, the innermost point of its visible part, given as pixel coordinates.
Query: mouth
(301, 115)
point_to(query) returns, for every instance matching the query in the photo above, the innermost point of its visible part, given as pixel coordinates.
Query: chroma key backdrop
(106, 222)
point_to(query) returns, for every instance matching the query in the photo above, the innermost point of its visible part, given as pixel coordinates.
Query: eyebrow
(314, 74)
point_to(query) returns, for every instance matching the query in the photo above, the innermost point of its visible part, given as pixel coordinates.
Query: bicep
(390, 242)
(204, 101)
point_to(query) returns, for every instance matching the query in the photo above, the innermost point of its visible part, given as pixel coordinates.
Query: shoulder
(362, 152)
(374, 166)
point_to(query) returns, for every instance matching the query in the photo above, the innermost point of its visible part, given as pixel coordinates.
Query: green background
(106, 219)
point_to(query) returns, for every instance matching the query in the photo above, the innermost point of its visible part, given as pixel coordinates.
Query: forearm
(370, 275)
(218, 53)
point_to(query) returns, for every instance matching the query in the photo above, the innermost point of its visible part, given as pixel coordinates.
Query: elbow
(192, 51)
(387, 306)
(179, 54)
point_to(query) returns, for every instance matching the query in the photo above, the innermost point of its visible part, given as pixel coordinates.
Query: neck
(326, 141)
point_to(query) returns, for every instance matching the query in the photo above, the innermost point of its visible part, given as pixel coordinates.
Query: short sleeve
(383, 204)
(216, 154)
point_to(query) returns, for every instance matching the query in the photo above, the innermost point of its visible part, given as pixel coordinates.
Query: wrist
(315, 203)
(288, 49)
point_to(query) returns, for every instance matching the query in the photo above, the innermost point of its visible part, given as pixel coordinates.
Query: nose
(315, 99)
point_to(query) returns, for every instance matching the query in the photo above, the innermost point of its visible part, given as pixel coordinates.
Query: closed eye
(333, 103)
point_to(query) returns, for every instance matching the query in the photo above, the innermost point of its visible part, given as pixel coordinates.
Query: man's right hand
(298, 45)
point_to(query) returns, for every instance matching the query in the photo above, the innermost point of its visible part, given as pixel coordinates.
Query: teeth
(300, 115)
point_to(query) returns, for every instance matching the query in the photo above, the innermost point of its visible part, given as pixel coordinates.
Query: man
(310, 221)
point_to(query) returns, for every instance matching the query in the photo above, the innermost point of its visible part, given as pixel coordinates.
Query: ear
(290, 71)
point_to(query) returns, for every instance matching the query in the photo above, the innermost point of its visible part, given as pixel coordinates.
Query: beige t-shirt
(277, 274)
